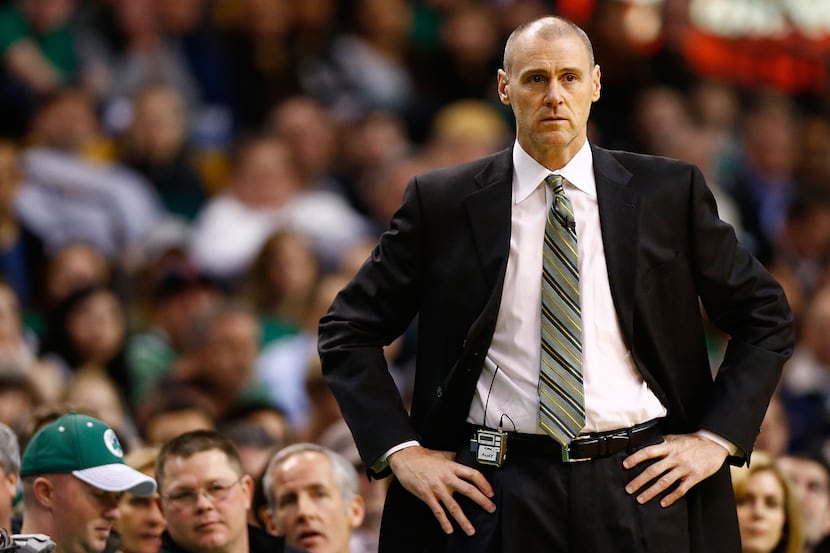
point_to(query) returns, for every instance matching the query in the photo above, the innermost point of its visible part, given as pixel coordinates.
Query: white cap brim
(117, 478)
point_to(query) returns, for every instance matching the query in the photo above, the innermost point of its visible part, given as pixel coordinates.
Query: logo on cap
(111, 441)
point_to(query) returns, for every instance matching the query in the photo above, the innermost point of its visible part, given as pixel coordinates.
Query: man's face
(812, 486)
(206, 501)
(8, 489)
(550, 86)
(84, 515)
(310, 510)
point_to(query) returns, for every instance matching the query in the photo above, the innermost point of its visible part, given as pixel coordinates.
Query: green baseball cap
(89, 450)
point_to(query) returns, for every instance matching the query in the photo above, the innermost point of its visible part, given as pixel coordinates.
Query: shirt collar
(529, 173)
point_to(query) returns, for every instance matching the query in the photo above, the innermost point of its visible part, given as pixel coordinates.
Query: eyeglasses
(188, 497)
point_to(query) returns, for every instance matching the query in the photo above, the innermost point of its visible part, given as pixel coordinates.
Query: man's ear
(267, 517)
(356, 511)
(504, 92)
(44, 491)
(10, 481)
(247, 485)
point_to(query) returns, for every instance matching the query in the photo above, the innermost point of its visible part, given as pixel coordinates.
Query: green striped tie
(561, 391)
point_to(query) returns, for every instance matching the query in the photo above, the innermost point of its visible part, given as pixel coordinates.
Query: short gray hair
(548, 27)
(344, 474)
(9, 450)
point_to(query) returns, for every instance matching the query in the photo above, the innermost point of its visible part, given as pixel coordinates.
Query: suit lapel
(488, 212)
(618, 212)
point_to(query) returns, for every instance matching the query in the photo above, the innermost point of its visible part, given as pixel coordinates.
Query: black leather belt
(584, 447)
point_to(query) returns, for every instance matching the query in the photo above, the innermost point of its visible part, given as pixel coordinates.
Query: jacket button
(439, 392)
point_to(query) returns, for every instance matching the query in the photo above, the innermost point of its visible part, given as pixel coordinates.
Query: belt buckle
(566, 454)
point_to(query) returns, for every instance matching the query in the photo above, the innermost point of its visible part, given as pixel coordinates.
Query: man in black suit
(464, 252)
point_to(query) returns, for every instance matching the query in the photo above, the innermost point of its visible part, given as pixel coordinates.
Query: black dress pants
(546, 506)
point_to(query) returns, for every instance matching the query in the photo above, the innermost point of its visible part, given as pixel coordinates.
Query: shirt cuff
(382, 461)
(720, 440)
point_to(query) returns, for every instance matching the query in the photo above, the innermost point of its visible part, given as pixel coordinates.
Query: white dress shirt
(616, 396)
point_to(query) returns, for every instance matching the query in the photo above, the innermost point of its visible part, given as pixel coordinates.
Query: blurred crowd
(186, 184)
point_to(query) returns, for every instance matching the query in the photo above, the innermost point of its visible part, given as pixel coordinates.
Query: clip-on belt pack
(490, 446)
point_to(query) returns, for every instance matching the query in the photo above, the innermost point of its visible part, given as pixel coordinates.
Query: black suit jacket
(667, 252)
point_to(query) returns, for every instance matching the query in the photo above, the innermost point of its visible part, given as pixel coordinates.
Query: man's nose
(305, 506)
(553, 93)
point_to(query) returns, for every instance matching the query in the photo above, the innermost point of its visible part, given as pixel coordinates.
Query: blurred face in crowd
(265, 176)
(550, 83)
(231, 351)
(141, 523)
(8, 489)
(310, 510)
(761, 513)
(158, 127)
(205, 501)
(97, 327)
(812, 486)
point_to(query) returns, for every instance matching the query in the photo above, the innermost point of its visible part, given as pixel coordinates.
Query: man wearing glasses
(205, 498)
(73, 476)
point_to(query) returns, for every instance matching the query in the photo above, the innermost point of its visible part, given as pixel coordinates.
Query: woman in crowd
(769, 515)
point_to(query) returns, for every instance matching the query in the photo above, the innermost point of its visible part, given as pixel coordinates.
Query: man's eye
(537, 79)
(182, 495)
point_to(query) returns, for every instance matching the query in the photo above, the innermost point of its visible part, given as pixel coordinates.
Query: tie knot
(556, 183)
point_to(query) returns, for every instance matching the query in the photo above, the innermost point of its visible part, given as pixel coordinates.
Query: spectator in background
(260, 50)
(69, 268)
(172, 411)
(281, 283)
(265, 415)
(9, 475)
(19, 398)
(73, 475)
(810, 478)
(774, 438)
(313, 498)
(462, 65)
(129, 50)
(763, 184)
(38, 51)
(233, 226)
(466, 130)
(93, 391)
(188, 32)
(254, 444)
(220, 360)
(805, 383)
(87, 331)
(283, 365)
(155, 145)
(381, 190)
(205, 498)
(375, 139)
(803, 245)
(313, 137)
(769, 516)
(21, 251)
(172, 296)
(812, 167)
(18, 354)
(366, 68)
(73, 191)
(140, 525)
